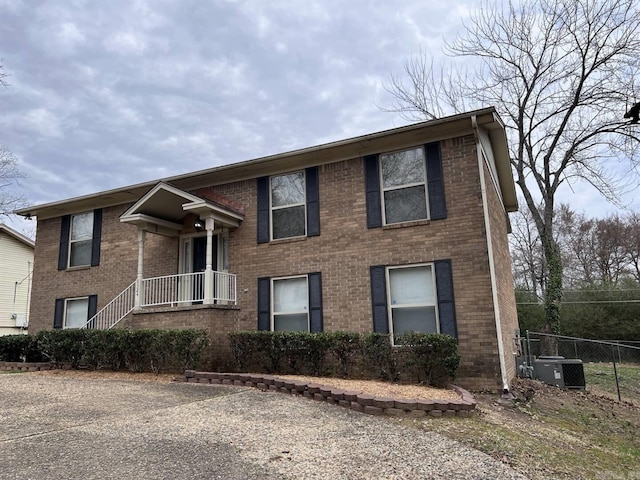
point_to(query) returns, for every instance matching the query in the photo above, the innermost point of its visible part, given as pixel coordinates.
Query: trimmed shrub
(18, 348)
(433, 358)
(187, 347)
(62, 347)
(345, 346)
(137, 350)
(381, 356)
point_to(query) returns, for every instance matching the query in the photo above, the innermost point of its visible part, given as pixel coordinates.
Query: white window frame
(282, 207)
(384, 189)
(66, 304)
(391, 307)
(77, 240)
(272, 300)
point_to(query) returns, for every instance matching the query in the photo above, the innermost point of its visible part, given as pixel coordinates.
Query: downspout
(492, 269)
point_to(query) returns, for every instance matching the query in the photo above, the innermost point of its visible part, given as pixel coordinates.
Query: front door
(200, 262)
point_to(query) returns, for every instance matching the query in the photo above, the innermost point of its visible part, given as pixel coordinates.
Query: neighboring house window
(288, 206)
(288, 211)
(80, 238)
(405, 186)
(411, 300)
(74, 312)
(290, 303)
(417, 297)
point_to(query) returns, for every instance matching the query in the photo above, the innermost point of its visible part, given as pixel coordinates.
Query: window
(417, 297)
(290, 304)
(76, 312)
(288, 206)
(80, 239)
(412, 300)
(405, 186)
(404, 189)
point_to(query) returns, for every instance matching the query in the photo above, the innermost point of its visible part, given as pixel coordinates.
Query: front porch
(202, 226)
(181, 291)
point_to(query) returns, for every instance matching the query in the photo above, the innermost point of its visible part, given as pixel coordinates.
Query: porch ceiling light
(198, 225)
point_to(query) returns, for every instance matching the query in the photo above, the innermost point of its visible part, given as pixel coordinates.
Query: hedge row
(428, 358)
(136, 350)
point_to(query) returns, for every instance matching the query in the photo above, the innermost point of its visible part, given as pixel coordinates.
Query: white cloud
(126, 43)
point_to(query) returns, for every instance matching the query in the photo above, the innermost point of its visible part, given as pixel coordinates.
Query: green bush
(433, 358)
(62, 347)
(381, 356)
(16, 348)
(345, 346)
(137, 350)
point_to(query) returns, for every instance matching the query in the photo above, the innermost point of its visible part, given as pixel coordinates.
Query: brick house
(399, 230)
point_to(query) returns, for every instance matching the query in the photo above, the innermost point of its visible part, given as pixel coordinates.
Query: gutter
(492, 268)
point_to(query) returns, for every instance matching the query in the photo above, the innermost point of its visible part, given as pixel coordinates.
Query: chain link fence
(611, 368)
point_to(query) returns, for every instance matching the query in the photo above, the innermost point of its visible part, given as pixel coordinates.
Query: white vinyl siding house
(16, 263)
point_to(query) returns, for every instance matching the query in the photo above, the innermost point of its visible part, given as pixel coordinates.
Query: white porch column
(139, 291)
(208, 272)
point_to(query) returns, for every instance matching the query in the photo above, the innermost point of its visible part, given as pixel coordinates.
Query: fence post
(615, 371)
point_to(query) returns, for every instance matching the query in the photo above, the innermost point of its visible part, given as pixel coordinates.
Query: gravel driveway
(76, 428)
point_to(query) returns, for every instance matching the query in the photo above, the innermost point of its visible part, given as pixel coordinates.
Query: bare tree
(526, 254)
(561, 73)
(9, 176)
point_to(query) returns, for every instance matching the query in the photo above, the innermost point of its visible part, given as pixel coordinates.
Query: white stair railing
(185, 288)
(114, 311)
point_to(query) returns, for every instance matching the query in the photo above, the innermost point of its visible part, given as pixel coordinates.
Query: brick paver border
(358, 401)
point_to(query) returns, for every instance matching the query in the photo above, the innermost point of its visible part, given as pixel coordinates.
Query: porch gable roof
(164, 206)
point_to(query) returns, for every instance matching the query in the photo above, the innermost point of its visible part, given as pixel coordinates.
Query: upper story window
(81, 239)
(288, 206)
(404, 188)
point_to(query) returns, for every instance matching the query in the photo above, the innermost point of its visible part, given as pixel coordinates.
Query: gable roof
(379, 142)
(18, 236)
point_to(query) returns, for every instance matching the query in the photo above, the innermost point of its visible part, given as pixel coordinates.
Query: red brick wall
(343, 253)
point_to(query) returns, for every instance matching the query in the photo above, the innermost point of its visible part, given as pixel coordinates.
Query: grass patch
(601, 379)
(560, 434)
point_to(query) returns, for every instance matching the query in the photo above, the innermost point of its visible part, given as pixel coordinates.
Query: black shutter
(263, 209)
(97, 235)
(315, 302)
(313, 202)
(372, 187)
(264, 303)
(379, 299)
(58, 316)
(435, 182)
(446, 304)
(93, 309)
(63, 253)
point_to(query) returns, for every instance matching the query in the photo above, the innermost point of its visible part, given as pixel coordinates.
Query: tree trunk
(553, 297)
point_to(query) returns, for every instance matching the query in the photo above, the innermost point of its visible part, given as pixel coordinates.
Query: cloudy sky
(105, 94)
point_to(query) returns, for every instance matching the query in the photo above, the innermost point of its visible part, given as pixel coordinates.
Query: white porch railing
(187, 288)
(180, 289)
